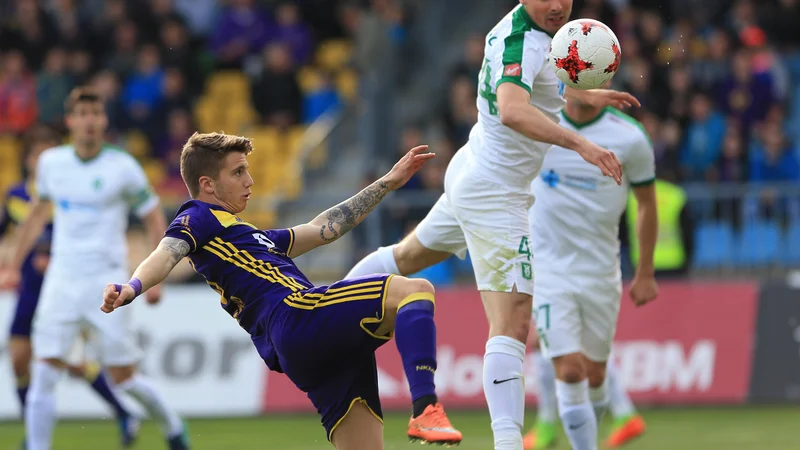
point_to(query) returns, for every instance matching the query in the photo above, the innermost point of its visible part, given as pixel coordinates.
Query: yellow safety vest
(669, 253)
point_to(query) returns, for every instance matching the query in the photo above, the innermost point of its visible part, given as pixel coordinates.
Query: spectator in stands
(470, 64)
(142, 93)
(53, 84)
(666, 139)
(291, 31)
(772, 158)
(107, 84)
(243, 29)
(679, 97)
(276, 93)
(104, 23)
(703, 144)
(200, 15)
(732, 167)
(122, 60)
(69, 25)
(30, 31)
(81, 66)
(324, 98)
(177, 52)
(462, 112)
(744, 95)
(18, 108)
(711, 67)
(179, 129)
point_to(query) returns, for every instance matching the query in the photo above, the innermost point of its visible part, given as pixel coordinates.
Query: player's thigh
(57, 320)
(113, 337)
(359, 430)
(332, 321)
(557, 316)
(600, 300)
(433, 240)
(494, 220)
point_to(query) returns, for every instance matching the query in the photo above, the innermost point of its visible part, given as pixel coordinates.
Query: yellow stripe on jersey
(255, 267)
(227, 219)
(356, 292)
(18, 209)
(193, 240)
(291, 241)
(245, 257)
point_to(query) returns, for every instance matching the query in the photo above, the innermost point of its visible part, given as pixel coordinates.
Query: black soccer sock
(423, 402)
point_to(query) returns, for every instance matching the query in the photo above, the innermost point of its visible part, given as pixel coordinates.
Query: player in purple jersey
(323, 338)
(15, 209)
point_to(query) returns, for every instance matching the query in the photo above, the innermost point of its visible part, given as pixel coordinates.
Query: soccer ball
(585, 54)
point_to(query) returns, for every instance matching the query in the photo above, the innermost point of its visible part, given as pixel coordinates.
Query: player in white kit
(90, 188)
(574, 237)
(487, 195)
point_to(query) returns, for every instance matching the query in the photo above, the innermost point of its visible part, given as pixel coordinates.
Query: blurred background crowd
(332, 92)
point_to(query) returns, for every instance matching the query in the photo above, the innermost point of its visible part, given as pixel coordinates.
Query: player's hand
(153, 295)
(9, 279)
(601, 98)
(606, 160)
(407, 167)
(113, 299)
(643, 290)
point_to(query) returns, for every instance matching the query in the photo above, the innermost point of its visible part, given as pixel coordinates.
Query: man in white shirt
(90, 188)
(487, 195)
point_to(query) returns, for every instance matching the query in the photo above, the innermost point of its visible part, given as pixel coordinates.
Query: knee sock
(546, 377)
(146, 394)
(504, 388)
(22, 392)
(577, 414)
(40, 408)
(99, 382)
(621, 404)
(599, 397)
(415, 337)
(379, 261)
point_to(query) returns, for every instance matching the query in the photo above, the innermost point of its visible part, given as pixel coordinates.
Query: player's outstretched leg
(140, 388)
(415, 337)
(98, 381)
(40, 408)
(406, 258)
(628, 424)
(544, 432)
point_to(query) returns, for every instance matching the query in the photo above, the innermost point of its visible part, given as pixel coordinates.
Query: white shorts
(487, 218)
(69, 305)
(576, 314)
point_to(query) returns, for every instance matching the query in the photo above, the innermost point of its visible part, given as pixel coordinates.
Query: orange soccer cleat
(433, 427)
(626, 430)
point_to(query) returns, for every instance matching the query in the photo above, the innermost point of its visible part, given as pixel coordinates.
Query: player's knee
(570, 368)
(596, 372)
(410, 290)
(121, 374)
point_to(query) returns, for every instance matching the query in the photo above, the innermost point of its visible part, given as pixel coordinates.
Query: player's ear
(206, 184)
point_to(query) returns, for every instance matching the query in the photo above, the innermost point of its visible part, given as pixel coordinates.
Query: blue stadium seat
(759, 244)
(714, 245)
(791, 246)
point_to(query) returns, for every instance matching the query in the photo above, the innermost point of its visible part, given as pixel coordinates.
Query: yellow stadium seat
(309, 79)
(238, 117)
(137, 144)
(10, 162)
(229, 86)
(333, 54)
(294, 139)
(318, 157)
(347, 84)
(206, 115)
(154, 169)
(266, 141)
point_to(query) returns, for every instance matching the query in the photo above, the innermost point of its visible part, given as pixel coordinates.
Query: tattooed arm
(150, 272)
(338, 220)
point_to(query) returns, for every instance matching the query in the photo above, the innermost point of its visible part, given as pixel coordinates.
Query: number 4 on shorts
(525, 249)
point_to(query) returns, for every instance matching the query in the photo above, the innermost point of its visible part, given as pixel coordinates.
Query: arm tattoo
(177, 248)
(343, 217)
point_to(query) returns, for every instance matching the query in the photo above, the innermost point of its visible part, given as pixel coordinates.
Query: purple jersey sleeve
(192, 225)
(282, 238)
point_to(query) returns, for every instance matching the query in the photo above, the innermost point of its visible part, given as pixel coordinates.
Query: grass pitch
(750, 428)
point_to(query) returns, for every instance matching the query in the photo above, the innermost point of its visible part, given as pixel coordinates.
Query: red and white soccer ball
(585, 54)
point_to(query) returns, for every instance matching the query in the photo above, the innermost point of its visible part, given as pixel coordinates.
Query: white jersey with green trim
(516, 51)
(575, 220)
(92, 200)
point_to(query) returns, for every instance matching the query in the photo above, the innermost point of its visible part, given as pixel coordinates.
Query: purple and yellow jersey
(15, 209)
(248, 267)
